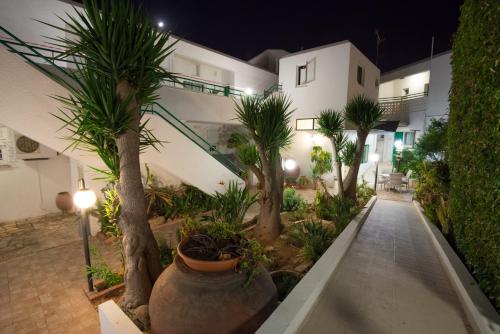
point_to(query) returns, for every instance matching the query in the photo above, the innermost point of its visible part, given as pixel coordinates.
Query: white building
(416, 93)
(326, 77)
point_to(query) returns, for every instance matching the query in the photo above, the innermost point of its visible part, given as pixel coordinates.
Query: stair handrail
(220, 157)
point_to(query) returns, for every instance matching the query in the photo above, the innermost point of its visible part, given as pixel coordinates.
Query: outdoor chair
(406, 179)
(395, 181)
(382, 181)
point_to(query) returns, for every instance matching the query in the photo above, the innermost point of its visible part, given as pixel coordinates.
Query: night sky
(245, 28)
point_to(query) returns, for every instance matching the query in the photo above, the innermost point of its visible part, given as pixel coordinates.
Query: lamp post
(374, 158)
(85, 199)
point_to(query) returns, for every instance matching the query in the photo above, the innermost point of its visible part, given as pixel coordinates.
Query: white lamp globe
(84, 199)
(374, 157)
(398, 144)
(290, 164)
(248, 91)
(161, 24)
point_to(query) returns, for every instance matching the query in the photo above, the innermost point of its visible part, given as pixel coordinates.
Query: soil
(284, 255)
(203, 247)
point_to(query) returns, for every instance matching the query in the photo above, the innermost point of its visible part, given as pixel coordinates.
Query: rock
(99, 284)
(140, 316)
(303, 267)
(155, 221)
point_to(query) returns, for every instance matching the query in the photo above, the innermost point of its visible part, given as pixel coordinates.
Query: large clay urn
(64, 201)
(188, 301)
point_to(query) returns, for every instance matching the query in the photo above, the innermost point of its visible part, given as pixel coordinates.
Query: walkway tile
(391, 281)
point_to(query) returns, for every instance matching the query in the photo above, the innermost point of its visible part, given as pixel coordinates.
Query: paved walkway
(391, 281)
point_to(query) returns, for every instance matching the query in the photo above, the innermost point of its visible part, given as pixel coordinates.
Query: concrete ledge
(292, 312)
(481, 314)
(114, 321)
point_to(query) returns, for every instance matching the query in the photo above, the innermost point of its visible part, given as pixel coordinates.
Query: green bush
(364, 193)
(231, 206)
(166, 252)
(337, 209)
(473, 141)
(292, 200)
(313, 238)
(433, 184)
(101, 270)
(285, 281)
(109, 212)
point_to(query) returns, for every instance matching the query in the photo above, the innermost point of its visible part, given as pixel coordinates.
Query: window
(361, 76)
(406, 91)
(301, 75)
(364, 158)
(304, 124)
(306, 73)
(409, 139)
(1, 154)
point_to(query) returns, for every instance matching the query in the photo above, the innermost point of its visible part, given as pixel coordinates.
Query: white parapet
(114, 321)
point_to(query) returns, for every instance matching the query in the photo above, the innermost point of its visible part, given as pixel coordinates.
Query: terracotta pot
(64, 201)
(188, 301)
(206, 266)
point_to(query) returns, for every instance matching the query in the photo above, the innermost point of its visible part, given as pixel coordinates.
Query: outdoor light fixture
(248, 91)
(315, 139)
(85, 199)
(374, 157)
(290, 164)
(398, 144)
(160, 24)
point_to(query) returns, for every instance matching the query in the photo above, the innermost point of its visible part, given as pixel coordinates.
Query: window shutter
(311, 70)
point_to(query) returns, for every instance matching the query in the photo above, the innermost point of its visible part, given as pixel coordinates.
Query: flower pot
(206, 266)
(189, 301)
(64, 201)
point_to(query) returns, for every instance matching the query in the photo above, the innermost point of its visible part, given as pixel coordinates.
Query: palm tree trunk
(352, 176)
(268, 224)
(142, 256)
(338, 166)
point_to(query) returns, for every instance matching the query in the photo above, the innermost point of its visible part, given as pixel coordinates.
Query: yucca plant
(331, 125)
(119, 53)
(348, 152)
(365, 114)
(230, 207)
(267, 121)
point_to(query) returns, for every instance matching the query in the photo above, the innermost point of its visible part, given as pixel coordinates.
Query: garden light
(248, 91)
(290, 164)
(398, 144)
(161, 24)
(85, 199)
(374, 157)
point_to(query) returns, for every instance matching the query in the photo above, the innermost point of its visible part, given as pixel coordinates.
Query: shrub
(292, 200)
(313, 238)
(230, 207)
(364, 193)
(337, 209)
(285, 281)
(109, 212)
(166, 252)
(473, 142)
(101, 270)
(433, 184)
(304, 181)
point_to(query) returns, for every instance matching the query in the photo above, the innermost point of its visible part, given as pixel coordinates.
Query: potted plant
(216, 281)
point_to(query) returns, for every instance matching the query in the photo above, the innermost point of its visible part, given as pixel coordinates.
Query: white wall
(29, 188)
(440, 84)
(372, 75)
(414, 82)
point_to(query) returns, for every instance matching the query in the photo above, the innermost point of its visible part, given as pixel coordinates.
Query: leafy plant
(336, 209)
(166, 252)
(230, 207)
(101, 270)
(304, 181)
(321, 164)
(443, 216)
(292, 200)
(109, 212)
(285, 281)
(364, 193)
(313, 238)
(348, 152)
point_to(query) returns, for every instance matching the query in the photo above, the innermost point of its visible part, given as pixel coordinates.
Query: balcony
(399, 108)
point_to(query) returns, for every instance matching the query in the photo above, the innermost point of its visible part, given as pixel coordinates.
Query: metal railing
(155, 108)
(404, 104)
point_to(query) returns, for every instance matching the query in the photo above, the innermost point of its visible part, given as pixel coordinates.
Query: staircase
(26, 106)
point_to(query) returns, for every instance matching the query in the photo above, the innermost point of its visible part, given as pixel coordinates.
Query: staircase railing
(155, 108)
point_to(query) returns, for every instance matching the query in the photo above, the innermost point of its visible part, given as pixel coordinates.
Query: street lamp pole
(375, 158)
(85, 199)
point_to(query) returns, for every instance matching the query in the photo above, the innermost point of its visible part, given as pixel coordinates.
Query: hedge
(474, 142)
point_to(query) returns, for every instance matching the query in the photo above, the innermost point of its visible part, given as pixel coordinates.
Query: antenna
(379, 41)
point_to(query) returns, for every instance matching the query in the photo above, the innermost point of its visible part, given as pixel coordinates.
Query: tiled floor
(391, 281)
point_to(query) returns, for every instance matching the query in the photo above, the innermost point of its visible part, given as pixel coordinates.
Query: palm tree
(119, 55)
(267, 121)
(331, 124)
(365, 114)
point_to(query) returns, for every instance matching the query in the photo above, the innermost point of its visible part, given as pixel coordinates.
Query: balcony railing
(53, 56)
(404, 104)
